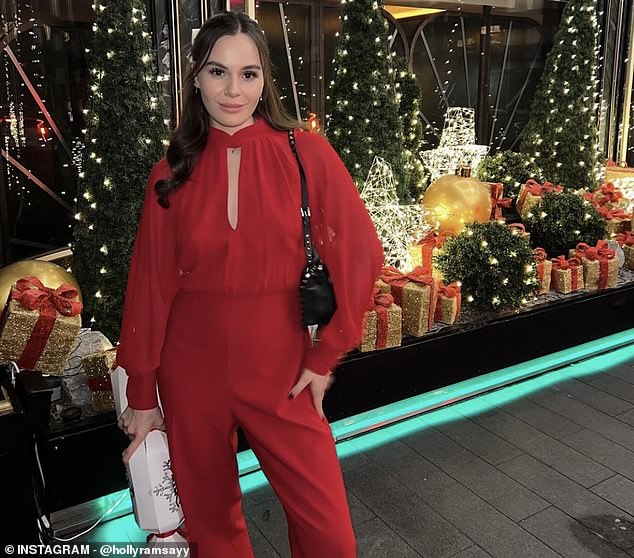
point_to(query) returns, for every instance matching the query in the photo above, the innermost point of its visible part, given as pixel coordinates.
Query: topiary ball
(509, 168)
(560, 221)
(495, 266)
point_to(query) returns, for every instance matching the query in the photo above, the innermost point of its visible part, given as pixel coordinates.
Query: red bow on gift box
(498, 201)
(392, 276)
(380, 299)
(539, 254)
(452, 290)
(33, 295)
(610, 193)
(536, 189)
(612, 214)
(625, 239)
(573, 264)
(561, 262)
(598, 252)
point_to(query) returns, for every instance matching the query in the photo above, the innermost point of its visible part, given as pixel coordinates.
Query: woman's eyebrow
(249, 67)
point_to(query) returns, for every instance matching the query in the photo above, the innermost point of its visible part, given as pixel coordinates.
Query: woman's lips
(231, 108)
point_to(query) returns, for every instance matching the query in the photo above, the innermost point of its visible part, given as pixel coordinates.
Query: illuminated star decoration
(457, 145)
(388, 216)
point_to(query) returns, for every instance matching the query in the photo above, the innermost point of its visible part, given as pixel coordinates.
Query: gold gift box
(592, 273)
(448, 310)
(562, 280)
(370, 333)
(628, 252)
(16, 329)
(100, 365)
(544, 285)
(418, 305)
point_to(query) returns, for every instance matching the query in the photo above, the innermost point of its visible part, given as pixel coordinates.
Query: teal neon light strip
(581, 360)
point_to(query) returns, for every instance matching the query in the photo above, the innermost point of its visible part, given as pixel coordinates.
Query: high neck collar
(219, 137)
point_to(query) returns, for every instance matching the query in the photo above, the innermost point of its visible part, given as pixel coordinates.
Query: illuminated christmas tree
(561, 135)
(126, 135)
(365, 120)
(410, 113)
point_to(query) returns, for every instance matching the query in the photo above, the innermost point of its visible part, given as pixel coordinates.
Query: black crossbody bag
(315, 288)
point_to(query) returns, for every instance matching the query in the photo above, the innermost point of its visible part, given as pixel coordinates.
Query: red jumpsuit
(212, 313)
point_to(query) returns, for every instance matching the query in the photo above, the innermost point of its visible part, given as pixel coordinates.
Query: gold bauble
(51, 275)
(454, 201)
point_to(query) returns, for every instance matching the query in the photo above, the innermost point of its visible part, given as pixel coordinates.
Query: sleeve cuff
(141, 391)
(321, 359)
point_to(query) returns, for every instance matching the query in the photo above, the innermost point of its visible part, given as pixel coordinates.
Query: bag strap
(304, 210)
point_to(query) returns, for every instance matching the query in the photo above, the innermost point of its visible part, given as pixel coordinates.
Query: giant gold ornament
(51, 275)
(454, 201)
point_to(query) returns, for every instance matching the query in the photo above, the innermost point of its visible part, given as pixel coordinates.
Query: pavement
(544, 468)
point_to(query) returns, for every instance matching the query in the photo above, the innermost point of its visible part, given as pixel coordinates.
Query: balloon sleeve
(347, 242)
(151, 286)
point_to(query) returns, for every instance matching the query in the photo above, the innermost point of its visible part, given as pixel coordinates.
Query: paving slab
(487, 527)
(376, 540)
(559, 490)
(502, 492)
(604, 451)
(618, 490)
(569, 537)
(559, 456)
(584, 415)
(545, 420)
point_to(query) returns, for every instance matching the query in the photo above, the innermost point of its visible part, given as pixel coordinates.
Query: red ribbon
(448, 291)
(498, 201)
(33, 295)
(539, 254)
(610, 193)
(572, 264)
(536, 189)
(618, 214)
(625, 239)
(183, 531)
(427, 245)
(381, 302)
(600, 252)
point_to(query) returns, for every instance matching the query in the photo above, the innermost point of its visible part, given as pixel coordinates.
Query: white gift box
(154, 496)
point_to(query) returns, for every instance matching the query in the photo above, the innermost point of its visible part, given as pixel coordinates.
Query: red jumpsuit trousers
(230, 361)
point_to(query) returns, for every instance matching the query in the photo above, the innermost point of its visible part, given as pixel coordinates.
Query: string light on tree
(364, 120)
(125, 129)
(563, 113)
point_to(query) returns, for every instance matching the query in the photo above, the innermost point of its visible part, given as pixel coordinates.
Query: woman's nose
(233, 87)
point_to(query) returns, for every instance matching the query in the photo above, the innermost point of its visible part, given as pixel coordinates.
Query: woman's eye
(250, 75)
(216, 72)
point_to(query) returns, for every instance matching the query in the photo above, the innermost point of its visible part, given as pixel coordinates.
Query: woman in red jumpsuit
(212, 306)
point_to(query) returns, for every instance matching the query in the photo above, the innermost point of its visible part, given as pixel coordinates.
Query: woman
(212, 308)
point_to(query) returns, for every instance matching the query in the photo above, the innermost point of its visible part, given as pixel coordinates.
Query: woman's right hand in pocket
(137, 424)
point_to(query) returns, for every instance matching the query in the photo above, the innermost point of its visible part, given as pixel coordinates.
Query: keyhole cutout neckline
(233, 171)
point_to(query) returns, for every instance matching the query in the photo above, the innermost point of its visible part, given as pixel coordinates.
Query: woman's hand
(137, 424)
(318, 386)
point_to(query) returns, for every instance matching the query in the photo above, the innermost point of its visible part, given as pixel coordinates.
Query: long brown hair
(189, 139)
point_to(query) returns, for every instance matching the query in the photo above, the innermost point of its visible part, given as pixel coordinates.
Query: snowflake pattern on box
(388, 216)
(167, 487)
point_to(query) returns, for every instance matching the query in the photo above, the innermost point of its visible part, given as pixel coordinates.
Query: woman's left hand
(318, 387)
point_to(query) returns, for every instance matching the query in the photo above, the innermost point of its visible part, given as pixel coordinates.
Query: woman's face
(231, 82)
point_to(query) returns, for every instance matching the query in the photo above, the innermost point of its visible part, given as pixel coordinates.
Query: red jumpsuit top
(191, 245)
